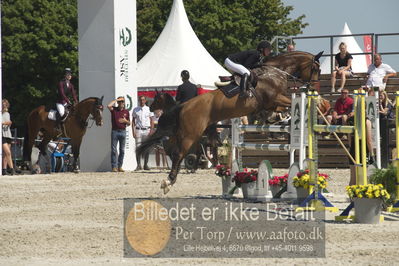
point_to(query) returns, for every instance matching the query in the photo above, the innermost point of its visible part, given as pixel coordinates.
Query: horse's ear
(317, 57)
(101, 100)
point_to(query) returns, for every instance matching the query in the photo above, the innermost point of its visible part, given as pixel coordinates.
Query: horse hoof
(164, 184)
(166, 190)
(76, 171)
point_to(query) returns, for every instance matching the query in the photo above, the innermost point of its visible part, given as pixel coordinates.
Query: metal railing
(375, 40)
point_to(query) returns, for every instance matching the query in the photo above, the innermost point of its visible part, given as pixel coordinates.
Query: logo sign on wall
(296, 124)
(371, 113)
(125, 38)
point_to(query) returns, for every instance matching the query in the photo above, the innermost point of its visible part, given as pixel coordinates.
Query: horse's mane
(276, 59)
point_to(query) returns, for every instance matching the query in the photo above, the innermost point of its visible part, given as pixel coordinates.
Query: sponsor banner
(367, 48)
(125, 66)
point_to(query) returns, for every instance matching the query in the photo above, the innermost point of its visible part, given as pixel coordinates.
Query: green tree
(39, 39)
(223, 26)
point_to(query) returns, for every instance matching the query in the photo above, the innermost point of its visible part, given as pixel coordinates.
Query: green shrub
(386, 177)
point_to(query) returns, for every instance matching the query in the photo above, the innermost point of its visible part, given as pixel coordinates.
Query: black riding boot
(243, 86)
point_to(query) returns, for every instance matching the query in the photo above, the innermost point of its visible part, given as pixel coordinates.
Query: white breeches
(236, 68)
(60, 109)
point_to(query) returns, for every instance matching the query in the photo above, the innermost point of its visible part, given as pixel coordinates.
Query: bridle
(314, 69)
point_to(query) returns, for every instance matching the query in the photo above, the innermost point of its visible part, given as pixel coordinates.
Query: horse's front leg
(76, 153)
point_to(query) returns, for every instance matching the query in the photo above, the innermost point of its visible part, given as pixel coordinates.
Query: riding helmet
(263, 44)
(185, 74)
(68, 71)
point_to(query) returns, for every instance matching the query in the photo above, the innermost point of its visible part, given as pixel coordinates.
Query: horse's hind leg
(177, 157)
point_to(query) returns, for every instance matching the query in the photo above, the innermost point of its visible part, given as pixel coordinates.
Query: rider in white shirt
(378, 73)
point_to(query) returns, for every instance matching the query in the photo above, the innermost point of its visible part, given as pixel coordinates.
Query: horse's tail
(167, 126)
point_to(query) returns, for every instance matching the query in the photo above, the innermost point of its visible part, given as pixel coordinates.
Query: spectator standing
(290, 47)
(66, 93)
(6, 139)
(187, 90)
(343, 67)
(143, 127)
(378, 73)
(120, 120)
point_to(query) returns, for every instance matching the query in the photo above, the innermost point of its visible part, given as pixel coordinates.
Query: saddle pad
(52, 114)
(230, 90)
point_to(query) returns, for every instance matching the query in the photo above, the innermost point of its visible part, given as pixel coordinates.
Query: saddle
(230, 85)
(55, 116)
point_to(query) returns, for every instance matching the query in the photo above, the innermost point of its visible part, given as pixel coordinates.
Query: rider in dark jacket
(242, 62)
(66, 92)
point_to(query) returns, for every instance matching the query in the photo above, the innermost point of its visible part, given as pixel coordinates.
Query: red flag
(367, 48)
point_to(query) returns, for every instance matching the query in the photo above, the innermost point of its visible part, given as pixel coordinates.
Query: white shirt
(377, 74)
(142, 116)
(6, 129)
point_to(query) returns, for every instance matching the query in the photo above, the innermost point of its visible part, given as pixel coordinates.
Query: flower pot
(367, 211)
(227, 185)
(275, 189)
(249, 190)
(301, 194)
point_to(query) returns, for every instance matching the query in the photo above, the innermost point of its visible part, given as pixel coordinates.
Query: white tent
(177, 49)
(359, 63)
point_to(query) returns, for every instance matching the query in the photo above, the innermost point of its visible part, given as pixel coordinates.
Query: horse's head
(97, 111)
(310, 69)
(303, 65)
(159, 101)
(162, 100)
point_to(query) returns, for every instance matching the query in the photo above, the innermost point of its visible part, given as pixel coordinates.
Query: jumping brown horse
(75, 127)
(184, 124)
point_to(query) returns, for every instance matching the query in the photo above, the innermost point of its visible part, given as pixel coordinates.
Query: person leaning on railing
(378, 73)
